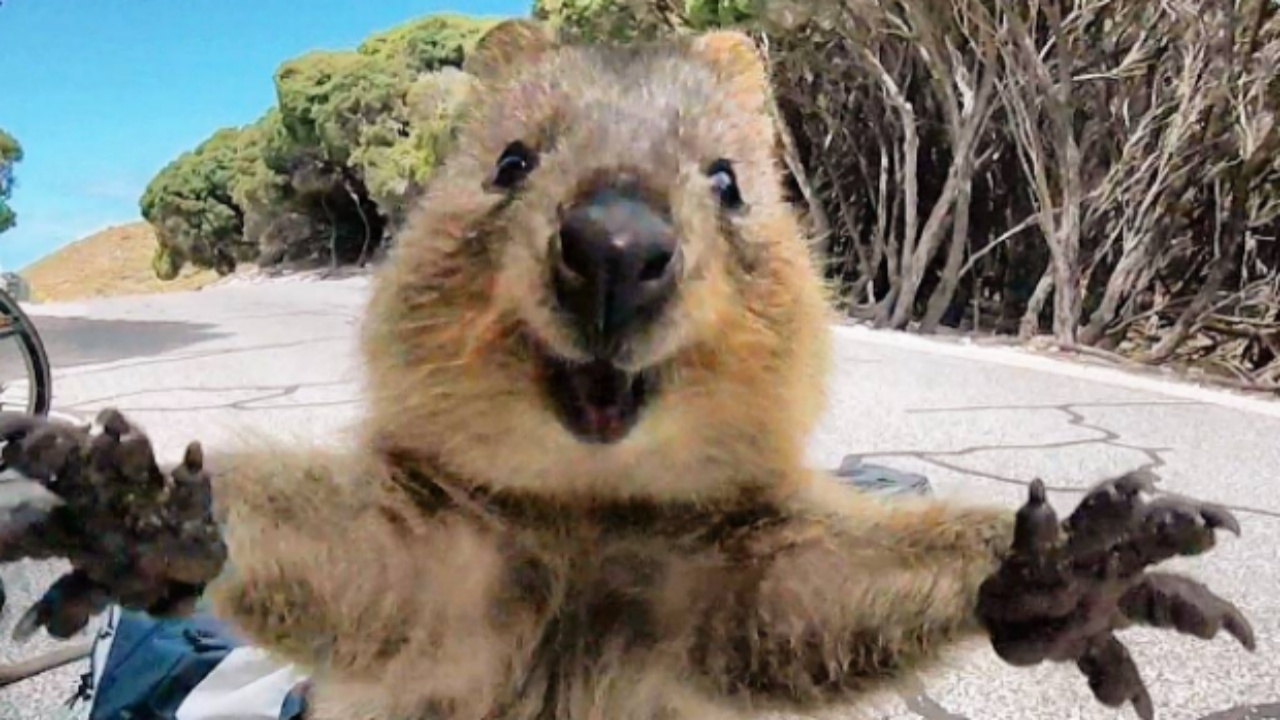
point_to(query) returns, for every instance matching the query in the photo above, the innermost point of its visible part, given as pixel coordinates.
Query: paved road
(279, 359)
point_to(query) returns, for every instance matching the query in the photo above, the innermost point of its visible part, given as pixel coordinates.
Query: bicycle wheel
(14, 323)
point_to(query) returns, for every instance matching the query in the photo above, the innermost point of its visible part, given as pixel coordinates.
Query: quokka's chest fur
(538, 608)
(600, 610)
(596, 572)
(591, 582)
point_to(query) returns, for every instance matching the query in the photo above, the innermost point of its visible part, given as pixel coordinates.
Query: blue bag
(145, 668)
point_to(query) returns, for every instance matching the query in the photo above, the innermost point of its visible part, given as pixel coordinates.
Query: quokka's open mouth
(596, 401)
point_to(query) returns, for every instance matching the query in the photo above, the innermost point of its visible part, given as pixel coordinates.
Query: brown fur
(471, 559)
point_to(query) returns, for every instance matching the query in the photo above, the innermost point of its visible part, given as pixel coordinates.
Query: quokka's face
(623, 206)
(638, 262)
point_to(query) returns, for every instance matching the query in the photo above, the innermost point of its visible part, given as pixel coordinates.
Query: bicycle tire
(39, 371)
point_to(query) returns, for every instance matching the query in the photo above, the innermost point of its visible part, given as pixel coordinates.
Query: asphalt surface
(280, 359)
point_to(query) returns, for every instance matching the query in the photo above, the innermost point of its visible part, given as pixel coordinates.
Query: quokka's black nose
(615, 266)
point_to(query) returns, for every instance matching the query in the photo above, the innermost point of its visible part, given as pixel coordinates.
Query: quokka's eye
(513, 166)
(725, 184)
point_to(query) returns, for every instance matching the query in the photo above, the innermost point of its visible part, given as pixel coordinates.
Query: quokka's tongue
(600, 384)
(605, 395)
(604, 423)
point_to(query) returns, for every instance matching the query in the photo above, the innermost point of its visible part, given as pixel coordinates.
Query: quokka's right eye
(513, 166)
(725, 182)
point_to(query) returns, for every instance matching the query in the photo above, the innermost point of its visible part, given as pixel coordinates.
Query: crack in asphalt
(1106, 436)
(1050, 406)
(81, 371)
(265, 393)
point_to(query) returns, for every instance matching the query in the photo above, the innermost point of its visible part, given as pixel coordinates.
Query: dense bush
(1111, 166)
(329, 170)
(10, 155)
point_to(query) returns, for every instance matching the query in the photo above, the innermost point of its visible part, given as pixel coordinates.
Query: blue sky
(103, 93)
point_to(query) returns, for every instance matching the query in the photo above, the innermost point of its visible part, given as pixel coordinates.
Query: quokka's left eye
(513, 166)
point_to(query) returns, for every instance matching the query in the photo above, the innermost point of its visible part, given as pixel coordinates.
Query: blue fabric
(153, 664)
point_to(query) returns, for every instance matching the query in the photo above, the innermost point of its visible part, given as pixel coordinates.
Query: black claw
(1142, 703)
(1219, 517)
(1241, 629)
(113, 423)
(30, 622)
(1113, 676)
(1106, 513)
(1037, 527)
(1173, 526)
(1164, 600)
(45, 454)
(136, 459)
(1038, 496)
(102, 451)
(64, 609)
(1137, 482)
(193, 458)
(15, 425)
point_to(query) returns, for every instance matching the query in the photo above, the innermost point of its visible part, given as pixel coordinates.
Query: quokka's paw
(1066, 587)
(134, 534)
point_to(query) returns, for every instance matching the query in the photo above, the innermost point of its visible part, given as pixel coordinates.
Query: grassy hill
(114, 261)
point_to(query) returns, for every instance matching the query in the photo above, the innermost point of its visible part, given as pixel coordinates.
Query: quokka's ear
(509, 44)
(736, 60)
